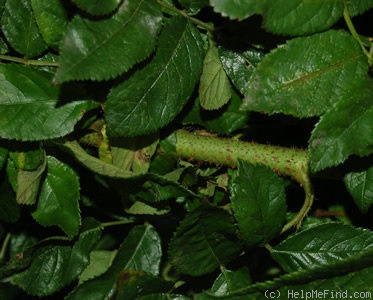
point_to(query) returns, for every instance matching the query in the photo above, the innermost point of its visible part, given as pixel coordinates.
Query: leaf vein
(105, 41)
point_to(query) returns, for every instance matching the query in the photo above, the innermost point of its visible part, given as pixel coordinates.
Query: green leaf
(134, 153)
(204, 240)
(58, 205)
(21, 242)
(304, 78)
(237, 9)
(239, 66)
(321, 245)
(259, 202)
(100, 7)
(101, 50)
(214, 87)
(109, 170)
(55, 266)
(352, 272)
(28, 156)
(360, 186)
(358, 7)
(21, 250)
(20, 29)
(100, 261)
(153, 96)
(133, 284)
(140, 208)
(155, 191)
(343, 131)
(30, 109)
(96, 165)
(230, 281)
(27, 164)
(163, 164)
(12, 174)
(306, 284)
(301, 17)
(141, 251)
(28, 180)
(336, 287)
(226, 120)
(51, 19)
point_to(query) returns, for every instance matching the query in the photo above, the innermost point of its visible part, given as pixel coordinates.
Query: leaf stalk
(28, 62)
(4, 246)
(117, 223)
(185, 15)
(351, 28)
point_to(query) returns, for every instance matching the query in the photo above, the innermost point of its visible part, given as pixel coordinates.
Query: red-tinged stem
(286, 161)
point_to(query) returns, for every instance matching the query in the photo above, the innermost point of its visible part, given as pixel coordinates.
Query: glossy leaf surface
(258, 202)
(162, 88)
(230, 281)
(360, 186)
(98, 50)
(304, 283)
(355, 282)
(57, 204)
(304, 78)
(353, 271)
(239, 66)
(321, 245)
(301, 16)
(30, 109)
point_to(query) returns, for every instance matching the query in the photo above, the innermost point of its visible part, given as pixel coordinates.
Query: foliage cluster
(130, 157)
